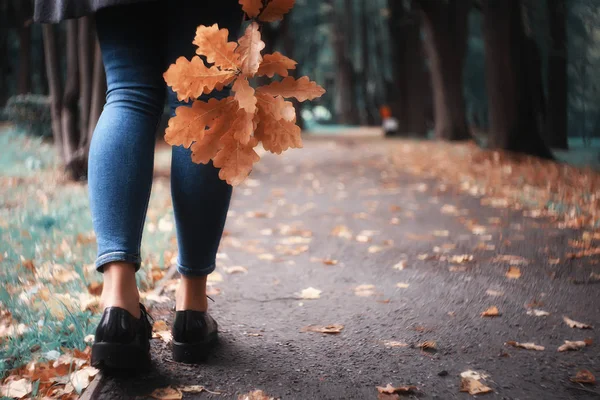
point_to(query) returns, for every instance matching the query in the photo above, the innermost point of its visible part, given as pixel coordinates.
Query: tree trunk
(24, 79)
(345, 97)
(557, 75)
(86, 65)
(289, 46)
(54, 84)
(408, 97)
(510, 79)
(71, 95)
(98, 93)
(446, 31)
(365, 76)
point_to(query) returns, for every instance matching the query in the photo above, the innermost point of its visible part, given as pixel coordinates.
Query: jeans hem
(196, 272)
(121, 256)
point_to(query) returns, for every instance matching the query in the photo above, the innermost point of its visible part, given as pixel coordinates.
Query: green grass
(45, 222)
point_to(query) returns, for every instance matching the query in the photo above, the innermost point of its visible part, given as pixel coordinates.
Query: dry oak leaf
(575, 324)
(330, 329)
(252, 7)
(255, 395)
(276, 107)
(427, 345)
(235, 159)
(278, 136)
(276, 9)
(16, 389)
(212, 43)
(491, 312)
(244, 94)
(389, 389)
(243, 126)
(569, 345)
(526, 346)
(207, 148)
(250, 46)
(513, 273)
(584, 376)
(189, 123)
(191, 79)
(302, 89)
(473, 386)
(276, 63)
(167, 393)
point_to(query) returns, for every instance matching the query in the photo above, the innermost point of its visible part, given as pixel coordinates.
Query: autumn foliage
(227, 131)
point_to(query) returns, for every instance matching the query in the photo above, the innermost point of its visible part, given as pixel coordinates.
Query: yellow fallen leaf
(527, 346)
(513, 273)
(402, 285)
(167, 393)
(310, 293)
(196, 389)
(237, 269)
(332, 329)
(255, 395)
(537, 313)
(81, 379)
(342, 231)
(160, 326)
(375, 249)
(441, 233)
(400, 265)
(461, 258)
(428, 345)
(389, 389)
(473, 386)
(364, 290)
(491, 312)
(394, 343)
(569, 345)
(575, 324)
(494, 293)
(215, 277)
(16, 389)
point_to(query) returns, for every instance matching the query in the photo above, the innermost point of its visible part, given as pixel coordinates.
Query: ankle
(120, 288)
(191, 294)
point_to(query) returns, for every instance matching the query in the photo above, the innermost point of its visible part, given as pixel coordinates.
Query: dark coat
(52, 11)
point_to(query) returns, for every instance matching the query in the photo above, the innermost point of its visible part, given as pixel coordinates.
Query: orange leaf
(189, 123)
(276, 9)
(276, 63)
(275, 106)
(251, 7)
(302, 89)
(210, 144)
(249, 50)
(190, 79)
(244, 94)
(243, 126)
(212, 43)
(278, 135)
(235, 159)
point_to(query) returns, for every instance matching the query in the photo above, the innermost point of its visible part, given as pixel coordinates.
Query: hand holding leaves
(227, 131)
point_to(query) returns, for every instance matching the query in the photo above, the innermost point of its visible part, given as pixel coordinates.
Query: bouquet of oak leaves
(227, 131)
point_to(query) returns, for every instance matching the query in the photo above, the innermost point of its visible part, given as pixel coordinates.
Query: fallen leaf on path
(457, 268)
(81, 379)
(255, 395)
(236, 269)
(449, 209)
(575, 324)
(334, 328)
(526, 346)
(167, 393)
(95, 288)
(428, 345)
(375, 249)
(89, 339)
(310, 293)
(441, 233)
(402, 285)
(389, 389)
(554, 261)
(326, 261)
(196, 389)
(400, 266)
(495, 293)
(394, 343)
(513, 273)
(491, 312)
(474, 375)
(215, 277)
(364, 290)
(569, 345)
(16, 389)
(473, 386)
(584, 376)
(537, 313)
(511, 259)
(342, 231)
(266, 257)
(461, 258)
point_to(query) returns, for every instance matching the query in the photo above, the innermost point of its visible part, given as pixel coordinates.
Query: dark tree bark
(98, 92)
(365, 78)
(71, 95)
(409, 94)
(446, 29)
(4, 66)
(510, 78)
(54, 84)
(24, 77)
(86, 65)
(345, 96)
(557, 75)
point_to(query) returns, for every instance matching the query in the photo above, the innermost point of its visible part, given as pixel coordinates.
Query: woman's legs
(200, 198)
(121, 156)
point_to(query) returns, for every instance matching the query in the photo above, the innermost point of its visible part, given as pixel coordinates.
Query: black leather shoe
(195, 334)
(122, 341)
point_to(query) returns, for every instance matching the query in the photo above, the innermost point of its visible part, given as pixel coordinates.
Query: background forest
(519, 75)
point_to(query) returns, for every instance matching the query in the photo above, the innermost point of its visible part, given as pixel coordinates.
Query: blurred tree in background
(519, 75)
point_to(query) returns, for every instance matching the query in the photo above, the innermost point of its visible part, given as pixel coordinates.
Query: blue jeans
(138, 43)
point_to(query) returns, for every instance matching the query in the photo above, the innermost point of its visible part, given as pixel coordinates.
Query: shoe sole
(194, 353)
(120, 357)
